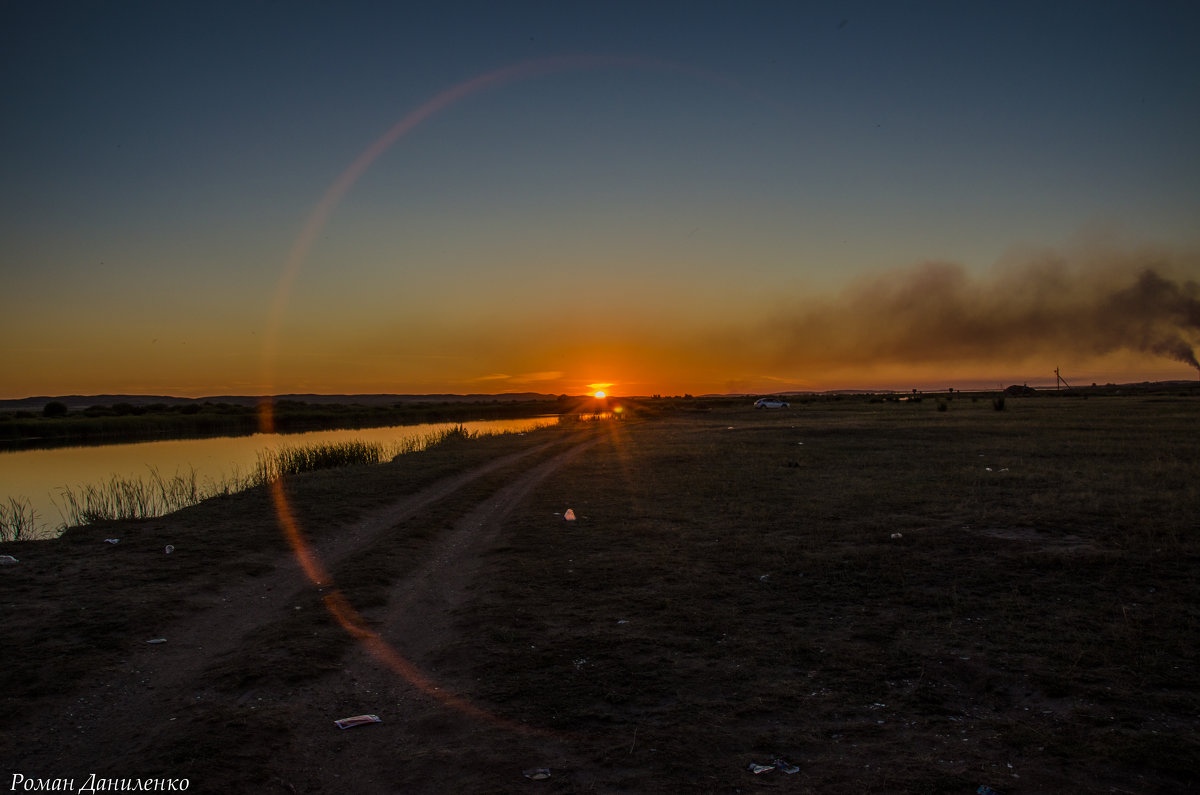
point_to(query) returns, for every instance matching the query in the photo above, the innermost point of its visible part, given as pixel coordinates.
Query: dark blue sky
(160, 160)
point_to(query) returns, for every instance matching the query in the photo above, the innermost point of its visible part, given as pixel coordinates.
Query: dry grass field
(887, 596)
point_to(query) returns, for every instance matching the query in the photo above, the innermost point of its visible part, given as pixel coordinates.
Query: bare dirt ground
(114, 723)
(890, 597)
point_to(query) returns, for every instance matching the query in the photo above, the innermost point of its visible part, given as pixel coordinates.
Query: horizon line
(555, 395)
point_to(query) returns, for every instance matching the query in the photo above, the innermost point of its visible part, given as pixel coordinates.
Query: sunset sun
(599, 393)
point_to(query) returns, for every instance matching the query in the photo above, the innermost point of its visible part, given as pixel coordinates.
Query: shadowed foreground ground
(890, 597)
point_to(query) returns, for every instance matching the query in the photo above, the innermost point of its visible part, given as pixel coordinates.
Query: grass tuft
(18, 521)
(135, 498)
(138, 498)
(273, 464)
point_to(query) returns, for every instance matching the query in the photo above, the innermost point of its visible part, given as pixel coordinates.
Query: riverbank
(888, 596)
(137, 480)
(55, 424)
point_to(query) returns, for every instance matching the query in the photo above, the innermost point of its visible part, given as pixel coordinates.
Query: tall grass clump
(456, 433)
(135, 498)
(593, 416)
(273, 464)
(18, 521)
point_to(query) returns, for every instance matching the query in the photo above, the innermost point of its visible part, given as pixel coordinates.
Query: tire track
(416, 623)
(113, 725)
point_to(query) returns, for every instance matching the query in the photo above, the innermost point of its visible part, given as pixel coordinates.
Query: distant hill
(77, 402)
(1135, 387)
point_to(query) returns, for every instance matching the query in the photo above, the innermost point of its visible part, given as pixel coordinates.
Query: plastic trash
(569, 515)
(169, 548)
(157, 640)
(783, 766)
(537, 773)
(112, 540)
(896, 535)
(8, 560)
(984, 789)
(357, 720)
(758, 769)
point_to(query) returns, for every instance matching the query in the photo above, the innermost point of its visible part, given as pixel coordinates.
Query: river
(40, 476)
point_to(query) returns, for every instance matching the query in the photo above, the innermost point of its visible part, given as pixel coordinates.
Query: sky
(267, 197)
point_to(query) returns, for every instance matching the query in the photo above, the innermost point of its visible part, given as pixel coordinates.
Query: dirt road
(206, 679)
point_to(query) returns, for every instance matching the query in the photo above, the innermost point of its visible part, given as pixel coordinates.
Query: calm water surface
(41, 475)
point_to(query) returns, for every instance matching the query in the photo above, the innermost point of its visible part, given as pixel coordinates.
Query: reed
(444, 436)
(137, 498)
(456, 433)
(273, 464)
(144, 498)
(18, 521)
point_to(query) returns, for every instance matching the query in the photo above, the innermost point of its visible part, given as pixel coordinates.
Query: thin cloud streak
(523, 378)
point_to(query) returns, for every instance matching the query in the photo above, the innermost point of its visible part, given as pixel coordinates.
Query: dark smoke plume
(938, 313)
(1153, 315)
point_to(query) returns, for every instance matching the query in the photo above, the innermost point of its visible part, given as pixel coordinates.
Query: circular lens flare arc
(353, 623)
(341, 186)
(334, 601)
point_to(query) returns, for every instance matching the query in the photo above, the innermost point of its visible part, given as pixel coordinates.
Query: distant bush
(54, 409)
(998, 403)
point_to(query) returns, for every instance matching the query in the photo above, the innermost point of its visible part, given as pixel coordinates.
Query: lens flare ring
(335, 602)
